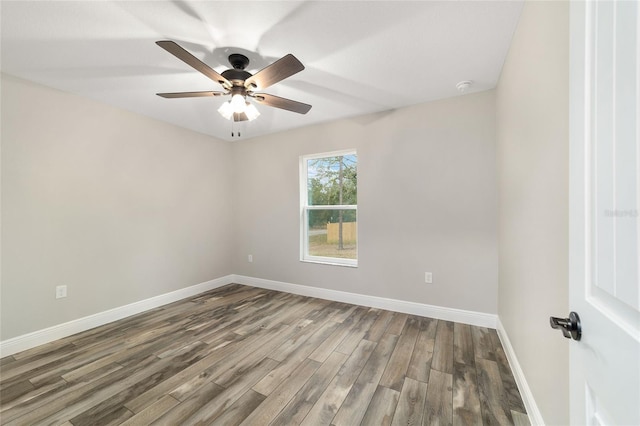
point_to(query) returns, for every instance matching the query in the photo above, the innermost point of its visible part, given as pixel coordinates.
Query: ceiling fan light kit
(237, 103)
(226, 110)
(240, 84)
(251, 111)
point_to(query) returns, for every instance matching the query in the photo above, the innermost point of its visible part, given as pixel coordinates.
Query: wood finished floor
(243, 355)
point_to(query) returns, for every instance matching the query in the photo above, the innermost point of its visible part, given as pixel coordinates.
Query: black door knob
(570, 327)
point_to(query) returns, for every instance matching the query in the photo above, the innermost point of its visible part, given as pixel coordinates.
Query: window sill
(331, 262)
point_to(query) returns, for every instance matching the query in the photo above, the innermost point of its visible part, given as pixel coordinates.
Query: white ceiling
(360, 57)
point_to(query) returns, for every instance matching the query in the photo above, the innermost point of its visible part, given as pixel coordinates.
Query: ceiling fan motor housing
(235, 76)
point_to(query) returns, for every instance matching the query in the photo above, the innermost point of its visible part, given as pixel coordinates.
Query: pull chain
(235, 131)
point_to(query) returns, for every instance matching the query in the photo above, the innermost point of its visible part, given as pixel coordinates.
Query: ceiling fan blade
(186, 57)
(277, 71)
(282, 103)
(190, 94)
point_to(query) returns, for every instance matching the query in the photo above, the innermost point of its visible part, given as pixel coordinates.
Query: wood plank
(116, 415)
(427, 336)
(396, 325)
(410, 409)
(217, 405)
(269, 315)
(357, 401)
(199, 369)
(298, 408)
(279, 373)
(396, 370)
(247, 357)
(438, 406)
(509, 382)
(382, 407)
(41, 351)
(311, 334)
(379, 326)
(77, 374)
(520, 419)
(327, 405)
(27, 368)
(443, 349)
(38, 395)
(78, 398)
(492, 397)
(240, 410)
(463, 344)
(15, 390)
(181, 412)
(291, 314)
(269, 409)
(197, 374)
(331, 343)
(483, 343)
(420, 364)
(230, 320)
(466, 398)
(305, 330)
(4, 362)
(346, 311)
(53, 372)
(49, 401)
(358, 332)
(152, 412)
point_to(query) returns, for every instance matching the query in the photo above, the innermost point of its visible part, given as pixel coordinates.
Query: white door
(604, 211)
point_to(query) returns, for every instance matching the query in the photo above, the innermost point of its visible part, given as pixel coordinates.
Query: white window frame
(305, 207)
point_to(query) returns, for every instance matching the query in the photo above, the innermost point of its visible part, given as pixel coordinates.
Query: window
(328, 199)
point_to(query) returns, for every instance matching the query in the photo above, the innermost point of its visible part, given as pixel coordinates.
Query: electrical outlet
(428, 277)
(61, 291)
(250, 258)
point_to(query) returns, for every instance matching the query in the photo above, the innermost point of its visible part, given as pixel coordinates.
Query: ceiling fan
(241, 84)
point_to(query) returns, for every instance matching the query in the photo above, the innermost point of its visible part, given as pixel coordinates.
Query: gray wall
(533, 166)
(116, 206)
(427, 197)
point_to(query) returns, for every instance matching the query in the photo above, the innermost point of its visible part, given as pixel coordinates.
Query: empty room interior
(296, 212)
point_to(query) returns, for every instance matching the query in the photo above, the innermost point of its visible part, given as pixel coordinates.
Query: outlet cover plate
(61, 291)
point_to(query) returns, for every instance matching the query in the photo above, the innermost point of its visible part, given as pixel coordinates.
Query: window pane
(332, 233)
(332, 181)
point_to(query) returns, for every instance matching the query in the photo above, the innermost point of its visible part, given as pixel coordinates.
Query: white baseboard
(449, 314)
(535, 417)
(40, 337)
